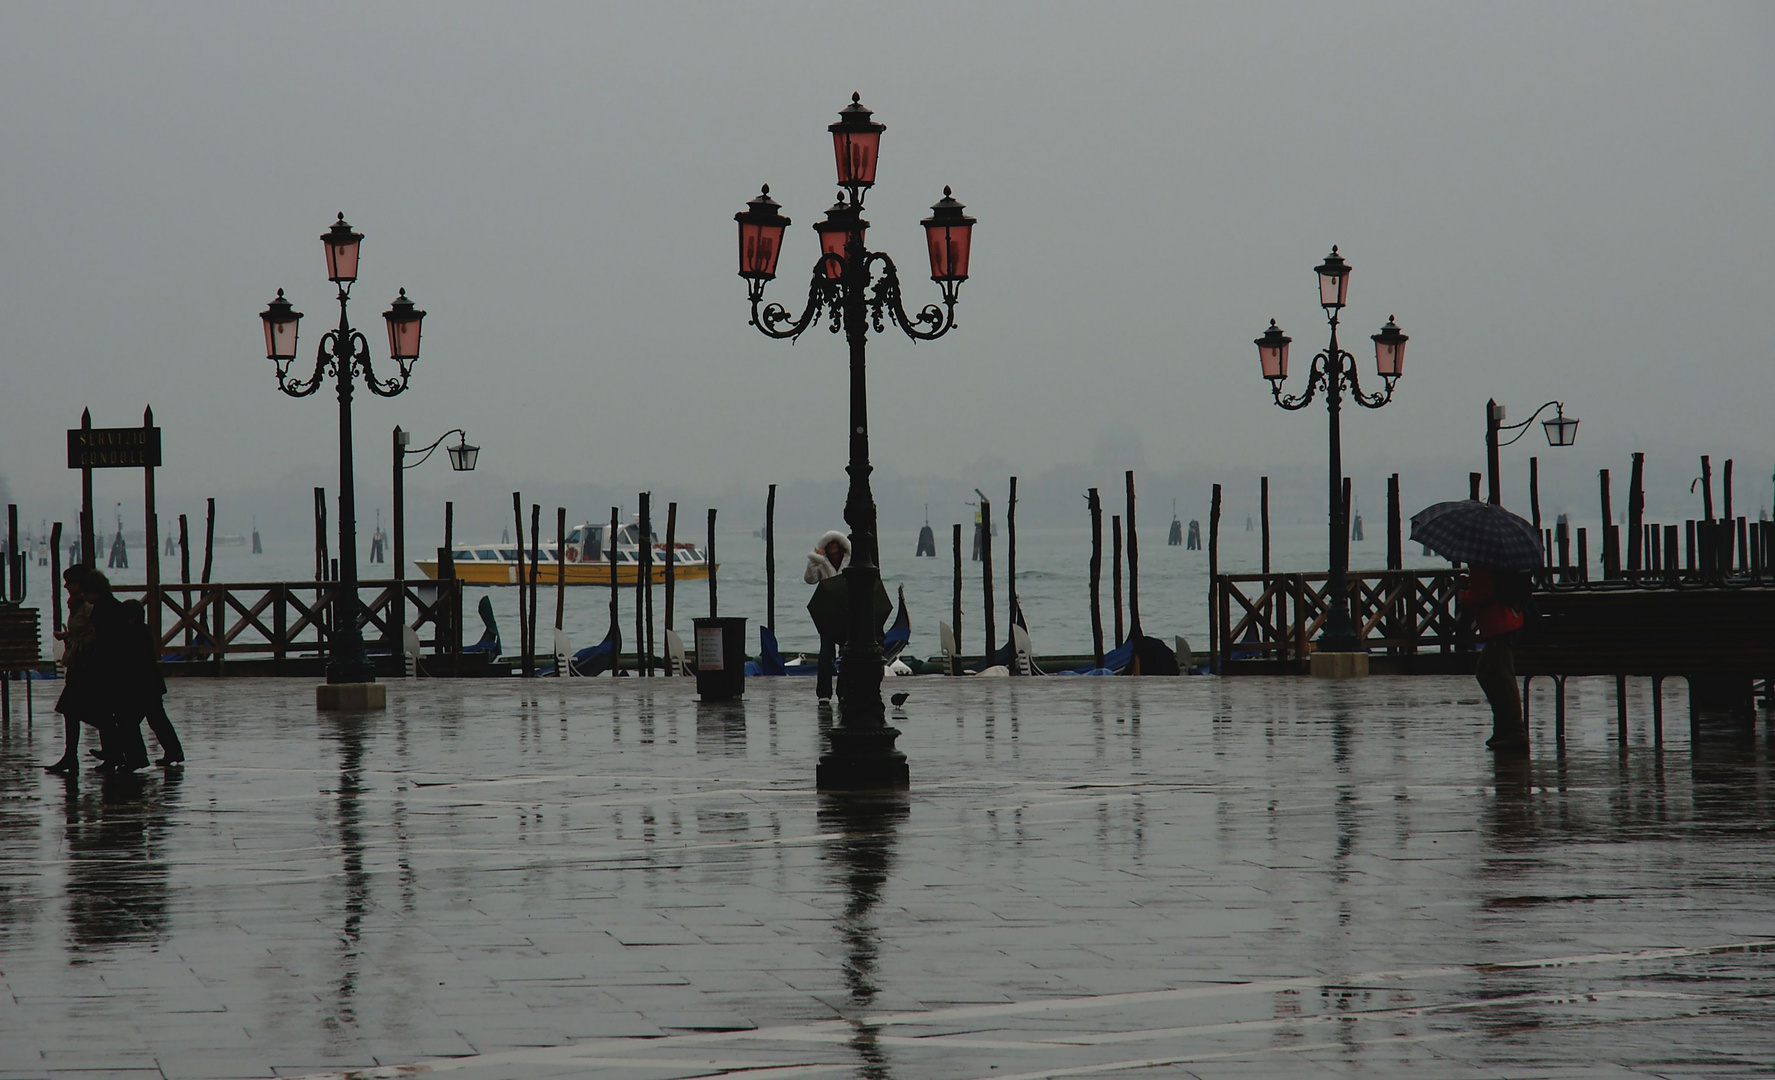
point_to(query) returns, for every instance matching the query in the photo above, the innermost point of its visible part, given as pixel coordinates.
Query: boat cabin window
(487, 553)
(597, 540)
(573, 537)
(509, 554)
(465, 553)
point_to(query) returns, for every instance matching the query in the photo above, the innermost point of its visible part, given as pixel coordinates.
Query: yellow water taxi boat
(587, 560)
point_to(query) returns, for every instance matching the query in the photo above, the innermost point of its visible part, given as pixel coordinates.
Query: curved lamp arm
(1315, 380)
(360, 362)
(323, 366)
(822, 293)
(1522, 428)
(886, 304)
(1354, 381)
(427, 452)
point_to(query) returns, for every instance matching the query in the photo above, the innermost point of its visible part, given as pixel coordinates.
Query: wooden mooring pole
(643, 583)
(560, 582)
(1263, 498)
(1115, 573)
(1095, 506)
(671, 567)
(710, 554)
(770, 559)
(955, 605)
(1636, 512)
(524, 659)
(1395, 527)
(1133, 563)
(1011, 558)
(991, 645)
(1214, 642)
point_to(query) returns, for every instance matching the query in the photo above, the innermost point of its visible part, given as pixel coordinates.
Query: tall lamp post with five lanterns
(345, 354)
(1334, 371)
(857, 289)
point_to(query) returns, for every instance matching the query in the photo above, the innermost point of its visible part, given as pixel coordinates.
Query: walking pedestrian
(116, 676)
(1498, 601)
(830, 604)
(824, 563)
(78, 702)
(141, 687)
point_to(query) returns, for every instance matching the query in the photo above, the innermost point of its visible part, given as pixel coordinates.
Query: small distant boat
(231, 541)
(587, 560)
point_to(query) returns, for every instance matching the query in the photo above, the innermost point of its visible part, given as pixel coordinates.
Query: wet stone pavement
(1090, 877)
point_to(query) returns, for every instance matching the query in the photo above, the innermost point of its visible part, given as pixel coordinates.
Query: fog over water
(1556, 201)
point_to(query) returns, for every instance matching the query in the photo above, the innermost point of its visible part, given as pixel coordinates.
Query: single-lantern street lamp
(344, 354)
(462, 459)
(1334, 371)
(1561, 430)
(857, 289)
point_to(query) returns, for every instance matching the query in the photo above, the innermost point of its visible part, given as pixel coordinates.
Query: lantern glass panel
(404, 322)
(1272, 353)
(463, 456)
(1333, 289)
(1561, 430)
(1389, 359)
(341, 243)
(856, 152)
(760, 247)
(282, 324)
(949, 246)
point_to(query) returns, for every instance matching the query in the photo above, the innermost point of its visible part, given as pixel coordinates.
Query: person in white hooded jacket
(826, 561)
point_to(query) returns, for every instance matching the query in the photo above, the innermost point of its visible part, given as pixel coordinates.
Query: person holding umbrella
(1502, 550)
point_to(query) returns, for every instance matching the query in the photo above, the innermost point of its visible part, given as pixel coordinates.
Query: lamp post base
(863, 759)
(1338, 665)
(351, 697)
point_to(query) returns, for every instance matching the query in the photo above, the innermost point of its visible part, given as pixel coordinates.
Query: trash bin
(720, 658)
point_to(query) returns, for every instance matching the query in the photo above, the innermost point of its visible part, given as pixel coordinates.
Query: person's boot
(1507, 736)
(70, 759)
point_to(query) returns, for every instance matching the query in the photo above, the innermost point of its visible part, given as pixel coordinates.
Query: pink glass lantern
(1272, 352)
(835, 232)
(342, 243)
(281, 326)
(1389, 351)
(856, 139)
(761, 237)
(404, 321)
(1334, 280)
(949, 233)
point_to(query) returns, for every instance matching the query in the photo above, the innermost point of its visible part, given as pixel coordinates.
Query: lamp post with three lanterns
(1334, 371)
(344, 353)
(857, 289)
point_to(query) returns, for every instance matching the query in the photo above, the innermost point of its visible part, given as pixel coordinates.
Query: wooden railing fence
(278, 620)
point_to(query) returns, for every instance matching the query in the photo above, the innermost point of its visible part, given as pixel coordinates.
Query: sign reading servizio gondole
(114, 448)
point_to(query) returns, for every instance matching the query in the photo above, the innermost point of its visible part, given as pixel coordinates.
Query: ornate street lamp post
(345, 354)
(855, 297)
(1561, 431)
(1334, 371)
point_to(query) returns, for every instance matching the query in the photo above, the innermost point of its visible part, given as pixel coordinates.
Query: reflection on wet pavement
(1117, 877)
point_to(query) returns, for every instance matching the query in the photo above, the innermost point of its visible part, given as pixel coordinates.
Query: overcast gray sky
(1556, 200)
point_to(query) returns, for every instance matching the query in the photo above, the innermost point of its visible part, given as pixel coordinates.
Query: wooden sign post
(92, 448)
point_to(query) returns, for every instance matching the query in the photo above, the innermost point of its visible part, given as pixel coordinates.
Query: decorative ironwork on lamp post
(857, 290)
(1334, 371)
(1561, 431)
(344, 353)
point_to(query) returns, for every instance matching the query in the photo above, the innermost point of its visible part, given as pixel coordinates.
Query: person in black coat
(117, 674)
(79, 701)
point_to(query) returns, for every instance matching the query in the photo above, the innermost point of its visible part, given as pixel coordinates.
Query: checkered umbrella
(1478, 533)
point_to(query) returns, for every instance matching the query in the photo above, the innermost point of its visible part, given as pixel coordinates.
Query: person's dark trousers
(823, 681)
(171, 750)
(1496, 673)
(120, 742)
